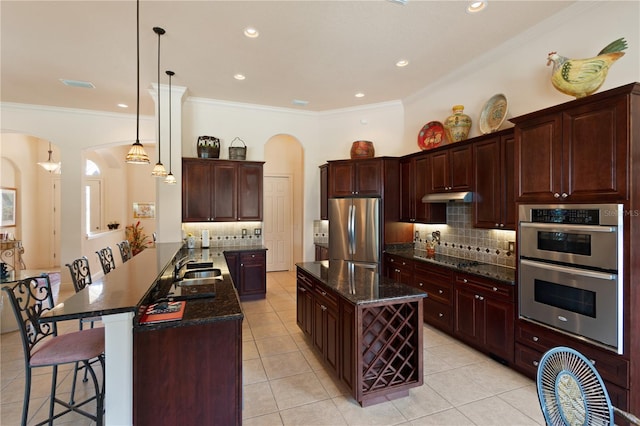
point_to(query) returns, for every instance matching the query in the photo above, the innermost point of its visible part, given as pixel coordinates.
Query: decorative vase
(457, 125)
(208, 147)
(362, 149)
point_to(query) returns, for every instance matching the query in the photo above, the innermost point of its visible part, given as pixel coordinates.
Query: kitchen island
(179, 372)
(367, 328)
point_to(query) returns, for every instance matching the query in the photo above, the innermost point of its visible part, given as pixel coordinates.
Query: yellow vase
(457, 125)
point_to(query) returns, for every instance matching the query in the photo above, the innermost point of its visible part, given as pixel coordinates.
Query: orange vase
(362, 149)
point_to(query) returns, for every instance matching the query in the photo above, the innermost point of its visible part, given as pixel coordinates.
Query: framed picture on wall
(8, 206)
(144, 210)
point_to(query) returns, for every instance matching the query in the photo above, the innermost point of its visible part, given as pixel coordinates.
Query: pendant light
(137, 154)
(170, 179)
(49, 165)
(158, 169)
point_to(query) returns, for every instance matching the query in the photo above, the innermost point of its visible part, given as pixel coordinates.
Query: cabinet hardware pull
(421, 284)
(556, 195)
(324, 308)
(497, 225)
(464, 280)
(324, 293)
(535, 338)
(535, 363)
(439, 291)
(593, 361)
(564, 195)
(304, 290)
(440, 314)
(495, 289)
(242, 265)
(481, 297)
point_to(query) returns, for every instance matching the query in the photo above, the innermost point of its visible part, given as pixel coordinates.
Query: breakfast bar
(140, 357)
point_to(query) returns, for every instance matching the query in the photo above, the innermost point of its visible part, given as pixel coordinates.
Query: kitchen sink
(199, 281)
(203, 273)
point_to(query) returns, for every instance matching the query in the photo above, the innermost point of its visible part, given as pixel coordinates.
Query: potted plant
(138, 240)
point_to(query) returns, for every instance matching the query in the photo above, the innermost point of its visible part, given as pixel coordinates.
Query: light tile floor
(285, 383)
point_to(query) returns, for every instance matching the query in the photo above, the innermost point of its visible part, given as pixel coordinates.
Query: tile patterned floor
(285, 383)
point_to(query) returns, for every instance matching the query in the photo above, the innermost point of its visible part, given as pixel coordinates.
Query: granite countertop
(358, 283)
(495, 272)
(148, 277)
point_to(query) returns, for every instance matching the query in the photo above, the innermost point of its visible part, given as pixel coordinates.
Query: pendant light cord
(138, 71)
(170, 74)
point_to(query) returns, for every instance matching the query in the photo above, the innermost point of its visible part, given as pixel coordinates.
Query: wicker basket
(237, 152)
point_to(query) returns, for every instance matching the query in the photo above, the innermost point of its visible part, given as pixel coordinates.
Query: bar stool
(30, 298)
(105, 256)
(125, 250)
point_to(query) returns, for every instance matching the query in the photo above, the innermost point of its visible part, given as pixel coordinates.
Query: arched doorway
(283, 202)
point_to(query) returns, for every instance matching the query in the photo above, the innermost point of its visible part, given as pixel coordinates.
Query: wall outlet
(244, 232)
(257, 231)
(512, 246)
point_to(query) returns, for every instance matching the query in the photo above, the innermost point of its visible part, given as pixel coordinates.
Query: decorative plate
(493, 114)
(431, 135)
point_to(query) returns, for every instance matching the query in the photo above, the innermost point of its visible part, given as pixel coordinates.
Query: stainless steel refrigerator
(354, 229)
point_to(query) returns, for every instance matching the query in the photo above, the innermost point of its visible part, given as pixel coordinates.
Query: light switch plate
(512, 246)
(257, 231)
(244, 232)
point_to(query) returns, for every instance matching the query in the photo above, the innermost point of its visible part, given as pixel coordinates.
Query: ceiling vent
(76, 83)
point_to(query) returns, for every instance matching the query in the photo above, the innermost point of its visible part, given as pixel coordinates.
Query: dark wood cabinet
(414, 184)
(437, 282)
(485, 315)
(324, 192)
(576, 153)
(221, 190)
(451, 169)
(250, 191)
(494, 193)
(367, 345)
(322, 252)
(398, 269)
(248, 271)
(199, 365)
(356, 178)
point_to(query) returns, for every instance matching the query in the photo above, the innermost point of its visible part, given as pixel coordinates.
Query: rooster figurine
(582, 77)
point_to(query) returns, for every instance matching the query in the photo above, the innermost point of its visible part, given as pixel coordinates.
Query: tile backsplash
(321, 231)
(460, 239)
(225, 234)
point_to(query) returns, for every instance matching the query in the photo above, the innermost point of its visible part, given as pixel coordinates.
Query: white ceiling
(319, 51)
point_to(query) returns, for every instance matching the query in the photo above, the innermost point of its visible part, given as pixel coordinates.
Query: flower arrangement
(138, 240)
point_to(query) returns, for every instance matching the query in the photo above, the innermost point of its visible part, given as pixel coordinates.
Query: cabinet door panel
(499, 323)
(407, 191)
(509, 179)
(595, 152)
(488, 188)
(196, 191)
(324, 192)
(461, 169)
(538, 154)
(250, 192)
(318, 327)
(439, 162)
(340, 179)
(253, 272)
(332, 348)
(368, 177)
(224, 192)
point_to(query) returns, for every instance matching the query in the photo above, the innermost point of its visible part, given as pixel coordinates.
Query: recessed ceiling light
(403, 2)
(251, 32)
(239, 77)
(359, 95)
(402, 63)
(123, 106)
(300, 102)
(476, 6)
(76, 83)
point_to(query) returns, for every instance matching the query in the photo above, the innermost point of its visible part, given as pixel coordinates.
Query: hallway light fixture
(49, 165)
(158, 169)
(170, 179)
(137, 154)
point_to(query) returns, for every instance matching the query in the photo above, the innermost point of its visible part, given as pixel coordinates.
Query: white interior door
(278, 222)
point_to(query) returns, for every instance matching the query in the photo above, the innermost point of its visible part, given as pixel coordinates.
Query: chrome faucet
(178, 266)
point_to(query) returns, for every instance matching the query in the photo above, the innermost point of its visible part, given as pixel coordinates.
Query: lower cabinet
(248, 271)
(325, 326)
(438, 284)
(484, 315)
(532, 341)
(322, 252)
(304, 306)
(398, 269)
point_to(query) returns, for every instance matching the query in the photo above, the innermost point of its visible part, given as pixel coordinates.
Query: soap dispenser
(205, 238)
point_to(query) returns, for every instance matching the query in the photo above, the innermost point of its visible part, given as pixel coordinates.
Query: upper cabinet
(451, 169)
(577, 151)
(221, 190)
(493, 174)
(414, 183)
(356, 178)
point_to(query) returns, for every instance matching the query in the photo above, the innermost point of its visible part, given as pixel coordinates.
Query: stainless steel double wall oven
(570, 269)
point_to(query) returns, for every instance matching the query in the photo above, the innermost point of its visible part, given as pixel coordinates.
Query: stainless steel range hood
(443, 197)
